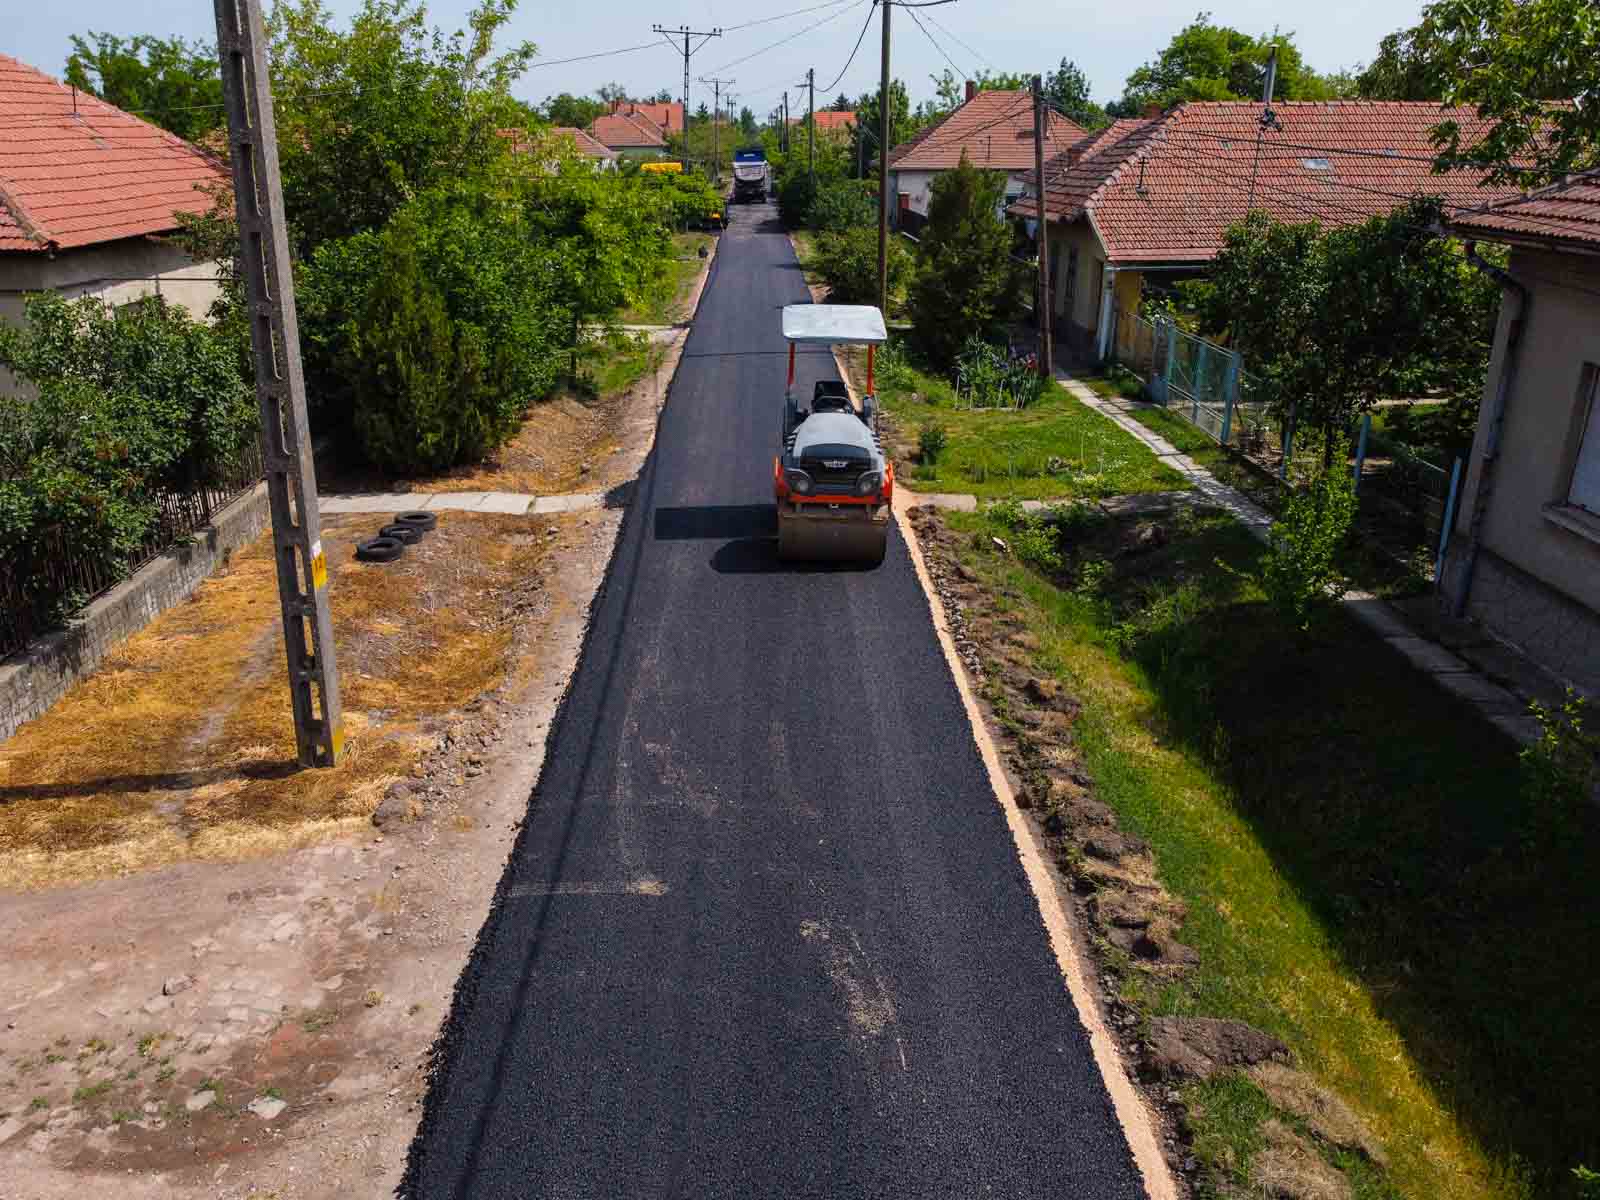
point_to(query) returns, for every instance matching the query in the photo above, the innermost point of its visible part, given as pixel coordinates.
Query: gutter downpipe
(1497, 420)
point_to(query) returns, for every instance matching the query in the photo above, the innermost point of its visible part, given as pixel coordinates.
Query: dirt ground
(221, 979)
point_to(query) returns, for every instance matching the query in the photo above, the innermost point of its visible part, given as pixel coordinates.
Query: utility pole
(280, 385)
(785, 138)
(683, 31)
(716, 119)
(1042, 310)
(883, 170)
(811, 124)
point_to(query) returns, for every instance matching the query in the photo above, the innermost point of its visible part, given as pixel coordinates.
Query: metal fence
(38, 591)
(1407, 501)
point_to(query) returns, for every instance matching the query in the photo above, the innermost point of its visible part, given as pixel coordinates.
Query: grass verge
(1056, 448)
(1363, 875)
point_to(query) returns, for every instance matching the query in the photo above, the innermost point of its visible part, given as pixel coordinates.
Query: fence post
(1200, 357)
(1288, 444)
(1361, 449)
(1449, 520)
(1230, 394)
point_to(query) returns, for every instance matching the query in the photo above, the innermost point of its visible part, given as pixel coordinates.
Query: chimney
(616, 103)
(972, 89)
(1073, 156)
(1151, 110)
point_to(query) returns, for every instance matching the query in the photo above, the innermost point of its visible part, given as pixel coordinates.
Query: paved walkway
(515, 503)
(1499, 706)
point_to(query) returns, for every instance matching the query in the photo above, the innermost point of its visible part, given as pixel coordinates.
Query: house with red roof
(833, 123)
(558, 141)
(1148, 201)
(89, 196)
(994, 129)
(630, 135)
(666, 115)
(1523, 558)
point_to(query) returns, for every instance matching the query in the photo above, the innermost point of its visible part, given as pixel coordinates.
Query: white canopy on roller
(849, 324)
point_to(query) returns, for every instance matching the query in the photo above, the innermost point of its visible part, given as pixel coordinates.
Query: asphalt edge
(441, 1053)
(1134, 1118)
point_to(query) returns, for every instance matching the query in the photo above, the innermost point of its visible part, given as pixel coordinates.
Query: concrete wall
(34, 679)
(115, 271)
(918, 185)
(1537, 582)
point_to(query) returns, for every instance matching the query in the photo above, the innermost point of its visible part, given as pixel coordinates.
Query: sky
(1106, 40)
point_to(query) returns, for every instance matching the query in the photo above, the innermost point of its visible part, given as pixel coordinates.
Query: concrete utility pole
(1042, 311)
(716, 119)
(683, 31)
(785, 139)
(280, 385)
(811, 124)
(883, 170)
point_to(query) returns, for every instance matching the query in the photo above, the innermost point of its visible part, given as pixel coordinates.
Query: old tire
(409, 534)
(420, 521)
(380, 549)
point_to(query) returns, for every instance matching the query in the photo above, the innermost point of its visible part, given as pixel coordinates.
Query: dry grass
(181, 747)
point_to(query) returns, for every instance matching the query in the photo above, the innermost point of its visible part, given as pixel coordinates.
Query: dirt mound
(1327, 1116)
(1200, 1047)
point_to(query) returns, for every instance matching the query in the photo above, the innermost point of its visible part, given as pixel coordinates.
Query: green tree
(1300, 572)
(848, 264)
(1334, 322)
(1207, 61)
(966, 281)
(1403, 70)
(747, 123)
(372, 116)
(1508, 59)
(841, 103)
(864, 134)
(574, 112)
(1067, 88)
(167, 81)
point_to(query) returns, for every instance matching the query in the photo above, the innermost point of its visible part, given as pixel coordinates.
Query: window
(1316, 164)
(1584, 490)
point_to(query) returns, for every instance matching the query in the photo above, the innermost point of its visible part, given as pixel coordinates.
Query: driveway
(764, 933)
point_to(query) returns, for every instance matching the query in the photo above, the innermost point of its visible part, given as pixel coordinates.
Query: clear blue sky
(1107, 40)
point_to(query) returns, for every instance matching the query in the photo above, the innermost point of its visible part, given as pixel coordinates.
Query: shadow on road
(716, 521)
(759, 556)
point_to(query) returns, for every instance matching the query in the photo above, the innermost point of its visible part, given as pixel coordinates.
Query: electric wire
(938, 47)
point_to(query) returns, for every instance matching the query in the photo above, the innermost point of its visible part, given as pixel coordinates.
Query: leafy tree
(167, 81)
(947, 91)
(1002, 81)
(703, 113)
(1300, 572)
(575, 112)
(841, 103)
(662, 97)
(1335, 321)
(1067, 89)
(1403, 70)
(841, 204)
(864, 134)
(966, 280)
(1508, 59)
(1206, 61)
(372, 116)
(747, 123)
(612, 91)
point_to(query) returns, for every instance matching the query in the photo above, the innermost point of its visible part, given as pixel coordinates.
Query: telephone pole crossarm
(291, 479)
(684, 32)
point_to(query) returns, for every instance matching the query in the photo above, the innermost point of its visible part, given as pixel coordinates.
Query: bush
(126, 408)
(1298, 571)
(1560, 770)
(488, 333)
(848, 264)
(931, 443)
(1032, 538)
(796, 192)
(841, 205)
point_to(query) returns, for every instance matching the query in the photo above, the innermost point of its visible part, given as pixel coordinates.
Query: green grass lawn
(668, 301)
(1056, 448)
(1364, 874)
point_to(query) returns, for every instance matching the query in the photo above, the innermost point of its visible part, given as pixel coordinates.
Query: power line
(938, 47)
(785, 41)
(860, 37)
(946, 31)
(799, 12)
(559, 62)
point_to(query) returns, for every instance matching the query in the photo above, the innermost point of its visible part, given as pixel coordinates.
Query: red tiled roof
(586, 145)
(994, 128)
(619, 130)
(827, 120)
(76, 172)
(1166, 189)
(1566, 214)
(667, 115)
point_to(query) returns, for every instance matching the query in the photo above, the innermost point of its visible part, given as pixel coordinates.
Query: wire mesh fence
(1405, 498)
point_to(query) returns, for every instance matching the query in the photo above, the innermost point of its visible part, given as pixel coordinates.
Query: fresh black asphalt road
(764, 932)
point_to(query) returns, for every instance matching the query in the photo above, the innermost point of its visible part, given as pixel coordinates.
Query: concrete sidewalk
(514, 503)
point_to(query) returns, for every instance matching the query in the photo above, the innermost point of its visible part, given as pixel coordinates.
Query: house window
(1316, 164)
(1583, 491)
